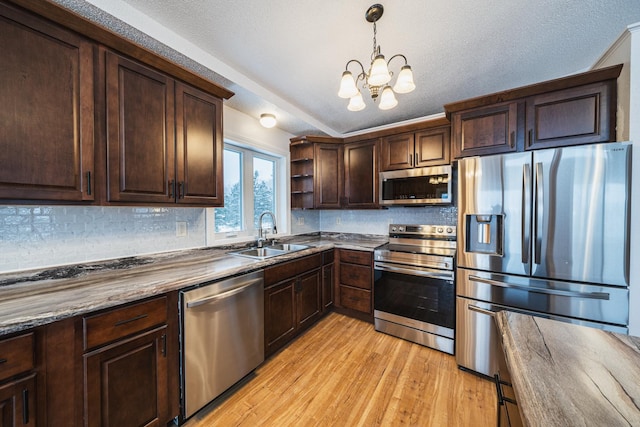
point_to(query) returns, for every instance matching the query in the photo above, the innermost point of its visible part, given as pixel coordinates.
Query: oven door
(422, 294)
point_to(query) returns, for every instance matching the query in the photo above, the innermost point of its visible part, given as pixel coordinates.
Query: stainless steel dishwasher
(222, 337)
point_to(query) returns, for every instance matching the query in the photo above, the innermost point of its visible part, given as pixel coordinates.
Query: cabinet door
(126, 382)
(361, 175)
(198, 147)
(18, 403)
(279, 316)
(580, 115)
(309, 298)
(432, 147)
(140, 133)
(328, 179)
(486, 130)
(328, 278)
(46, 111)
(397, 152)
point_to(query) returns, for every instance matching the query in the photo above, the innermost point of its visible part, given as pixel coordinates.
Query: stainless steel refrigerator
(542, 232)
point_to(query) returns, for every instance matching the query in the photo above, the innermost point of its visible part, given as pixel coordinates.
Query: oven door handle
(415, 271)
(590, 295)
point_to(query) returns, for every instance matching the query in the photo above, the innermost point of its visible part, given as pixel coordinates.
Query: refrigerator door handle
(539, 212)
(525, 236)
(546, 291)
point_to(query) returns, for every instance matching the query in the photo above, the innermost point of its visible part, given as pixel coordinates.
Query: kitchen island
(570, 375)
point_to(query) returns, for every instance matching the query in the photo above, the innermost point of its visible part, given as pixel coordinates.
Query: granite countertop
(570, 375)
(37, 297)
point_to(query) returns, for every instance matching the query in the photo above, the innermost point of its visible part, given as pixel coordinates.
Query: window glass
(263, 190)
(229, 218)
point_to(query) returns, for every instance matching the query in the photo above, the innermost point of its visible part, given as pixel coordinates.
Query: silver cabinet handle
(223, 295)
(559, 292)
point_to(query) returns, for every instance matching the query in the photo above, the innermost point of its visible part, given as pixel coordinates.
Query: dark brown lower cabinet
(17, 402)
(126, 382)
(292, 300)
(328, 279)
(279, 316)
(508, 412)
(355, 282)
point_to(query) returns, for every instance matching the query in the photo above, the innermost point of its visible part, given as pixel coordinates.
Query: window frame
(248, 231)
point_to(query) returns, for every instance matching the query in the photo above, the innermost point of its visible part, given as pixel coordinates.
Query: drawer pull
(25, 406)
(3, 360)
(133, 319)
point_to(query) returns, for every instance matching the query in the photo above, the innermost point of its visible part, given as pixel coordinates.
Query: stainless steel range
(414, 290)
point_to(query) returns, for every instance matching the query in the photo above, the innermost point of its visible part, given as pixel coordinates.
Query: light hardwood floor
(343, 373)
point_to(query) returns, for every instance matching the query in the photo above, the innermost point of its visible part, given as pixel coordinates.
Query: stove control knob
(440, 229)
(393, 229)
(401, 229)
(449, 230)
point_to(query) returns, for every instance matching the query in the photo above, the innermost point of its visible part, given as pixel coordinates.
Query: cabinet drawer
(355, 257)
(358, 276)
(16, 356)
(283, 271)
(355, 299)
(121, 322)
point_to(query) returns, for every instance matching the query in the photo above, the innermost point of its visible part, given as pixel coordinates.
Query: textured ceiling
(287, 56)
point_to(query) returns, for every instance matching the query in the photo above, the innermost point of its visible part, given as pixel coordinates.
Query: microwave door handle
(526, 212)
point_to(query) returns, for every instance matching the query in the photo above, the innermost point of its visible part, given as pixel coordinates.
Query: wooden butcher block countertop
(570, 375)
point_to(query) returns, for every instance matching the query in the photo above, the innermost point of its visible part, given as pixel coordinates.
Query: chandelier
(378, 76)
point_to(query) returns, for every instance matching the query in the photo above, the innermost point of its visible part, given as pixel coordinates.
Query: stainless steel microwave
(420, 186)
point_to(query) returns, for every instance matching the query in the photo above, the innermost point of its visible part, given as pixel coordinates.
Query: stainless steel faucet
(262, 234)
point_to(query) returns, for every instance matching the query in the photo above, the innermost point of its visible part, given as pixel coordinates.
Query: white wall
(626, 50)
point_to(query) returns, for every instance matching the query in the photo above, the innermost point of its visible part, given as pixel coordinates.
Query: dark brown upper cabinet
(579, 109)
(164, 138)
(361, 174)
(46, 111)
(198, 147)
(328, 183)
(578, 115)
(410, 150)
(316, 172)
(486, 130)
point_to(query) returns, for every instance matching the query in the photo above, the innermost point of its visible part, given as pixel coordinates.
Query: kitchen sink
(269, 251)
(289, 247)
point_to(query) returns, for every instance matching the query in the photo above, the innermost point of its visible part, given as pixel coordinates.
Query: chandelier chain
(373, 55)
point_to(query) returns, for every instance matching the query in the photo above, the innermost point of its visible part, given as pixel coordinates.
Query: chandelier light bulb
(387, 99)
(404, 83)
(348, 87)
(379, 74)
(356, 103)
(267, 120)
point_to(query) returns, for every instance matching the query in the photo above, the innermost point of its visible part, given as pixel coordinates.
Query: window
(250, 188)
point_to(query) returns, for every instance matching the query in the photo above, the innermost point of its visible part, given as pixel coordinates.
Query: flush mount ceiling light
(267, 120)
(378, 76)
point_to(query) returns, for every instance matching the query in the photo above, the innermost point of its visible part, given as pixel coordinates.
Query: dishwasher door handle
(231, 292)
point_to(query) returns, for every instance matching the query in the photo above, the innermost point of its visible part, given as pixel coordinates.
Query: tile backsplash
(40, 236)
(45, 236)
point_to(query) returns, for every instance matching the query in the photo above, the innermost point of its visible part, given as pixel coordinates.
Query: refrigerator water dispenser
(484, 234)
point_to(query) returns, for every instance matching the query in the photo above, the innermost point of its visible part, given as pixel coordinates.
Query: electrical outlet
(338, 221)
(300, 220)
(181, 229)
